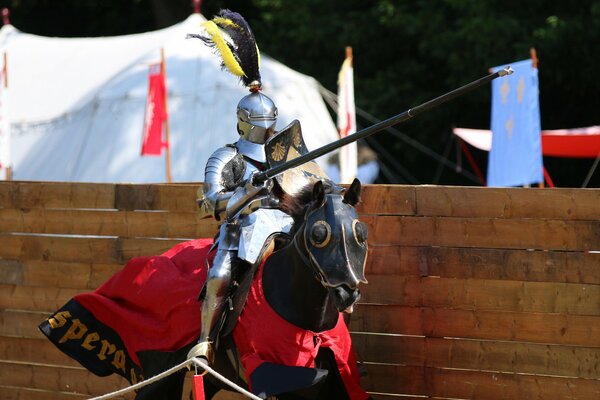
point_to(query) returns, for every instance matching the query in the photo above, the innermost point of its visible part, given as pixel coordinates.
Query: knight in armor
(248, 212)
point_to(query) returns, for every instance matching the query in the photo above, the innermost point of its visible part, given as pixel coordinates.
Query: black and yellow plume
(230, 35)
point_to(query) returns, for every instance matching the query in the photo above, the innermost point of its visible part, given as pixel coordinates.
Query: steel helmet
(257, 115)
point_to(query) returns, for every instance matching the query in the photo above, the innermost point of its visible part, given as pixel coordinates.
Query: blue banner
(515, 158)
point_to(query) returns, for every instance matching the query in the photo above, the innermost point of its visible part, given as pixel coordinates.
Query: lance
(363, 133)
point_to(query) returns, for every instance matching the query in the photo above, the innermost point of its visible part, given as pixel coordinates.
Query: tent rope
(186, 364)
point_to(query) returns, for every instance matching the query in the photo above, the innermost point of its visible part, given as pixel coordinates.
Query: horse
(285, 337)
(306, 283)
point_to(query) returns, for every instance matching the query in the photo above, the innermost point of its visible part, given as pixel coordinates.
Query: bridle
(302, 249)
(317, 273)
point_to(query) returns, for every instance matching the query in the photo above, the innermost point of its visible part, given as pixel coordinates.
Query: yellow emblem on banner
(520, 89)
(504, 91)
(509, 127)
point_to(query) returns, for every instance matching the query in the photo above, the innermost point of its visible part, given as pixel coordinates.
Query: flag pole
(163, 73)
(8, 169)
(346, 119)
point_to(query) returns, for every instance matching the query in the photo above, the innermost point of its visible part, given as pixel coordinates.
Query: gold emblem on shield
(278, 152)
(297, 139)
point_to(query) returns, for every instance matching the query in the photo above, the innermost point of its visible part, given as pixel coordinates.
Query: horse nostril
(346, 297)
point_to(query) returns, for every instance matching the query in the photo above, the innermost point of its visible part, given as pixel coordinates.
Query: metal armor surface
(257, 115)
(225, 170)
(288, 144)
(255, 151)
(225, 173)
(257, 227)
(248, 235)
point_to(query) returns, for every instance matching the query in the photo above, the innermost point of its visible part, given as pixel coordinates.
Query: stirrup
(202, 350)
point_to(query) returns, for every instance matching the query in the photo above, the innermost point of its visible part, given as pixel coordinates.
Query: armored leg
(217, 284)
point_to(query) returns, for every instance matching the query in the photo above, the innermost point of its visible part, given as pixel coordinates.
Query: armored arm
(226, 193)
(223, 173)
(250, 197)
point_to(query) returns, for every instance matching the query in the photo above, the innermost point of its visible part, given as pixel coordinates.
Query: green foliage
(405, 52)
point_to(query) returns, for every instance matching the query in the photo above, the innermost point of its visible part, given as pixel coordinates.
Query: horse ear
(319, 193)
(352, 194)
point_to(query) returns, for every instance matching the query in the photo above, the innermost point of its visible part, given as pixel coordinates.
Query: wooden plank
(484, 355)
(129, 248)
(500, 264)
(107, 223)
(483, 294)
(33, 298)
(103, 250)
(457, 384)
(505, 264)
(33, 351)
(172, 197)
(17, 194)
(549, 203)
(55, 273)
(388, 200)
(429, 292)
(25, 393)
(484, 232)
(475, 324)
(556, 203)
(22, 324)
(60, 248)
(58, 379)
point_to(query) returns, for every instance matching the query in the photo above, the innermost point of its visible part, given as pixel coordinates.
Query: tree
(405, 53)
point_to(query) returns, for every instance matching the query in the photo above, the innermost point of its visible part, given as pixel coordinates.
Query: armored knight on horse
(285, 336)
(248, 209)
(244, 182)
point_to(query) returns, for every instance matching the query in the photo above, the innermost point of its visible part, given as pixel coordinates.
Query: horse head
(334, 241)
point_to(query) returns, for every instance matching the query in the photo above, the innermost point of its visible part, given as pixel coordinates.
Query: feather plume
(230, 35)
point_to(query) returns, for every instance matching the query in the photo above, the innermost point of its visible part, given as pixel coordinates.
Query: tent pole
(163, 73)
(548, 178)
(591, 172)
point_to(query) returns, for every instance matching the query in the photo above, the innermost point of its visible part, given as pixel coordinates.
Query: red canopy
(571, 143)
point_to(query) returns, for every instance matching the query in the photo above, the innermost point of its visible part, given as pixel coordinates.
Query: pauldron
(224, 172)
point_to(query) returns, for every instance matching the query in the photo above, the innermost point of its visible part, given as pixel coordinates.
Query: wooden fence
(474, 293)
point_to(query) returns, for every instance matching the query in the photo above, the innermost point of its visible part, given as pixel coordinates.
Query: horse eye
(360, 231)
(320, 234)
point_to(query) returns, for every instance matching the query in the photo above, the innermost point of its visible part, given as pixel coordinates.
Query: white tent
(77, 104)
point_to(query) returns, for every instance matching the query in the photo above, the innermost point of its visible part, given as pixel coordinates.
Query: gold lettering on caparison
(133, 375)
(76, 331)
(89, 340)
(59, 319)
(119, 360)
(107, 349)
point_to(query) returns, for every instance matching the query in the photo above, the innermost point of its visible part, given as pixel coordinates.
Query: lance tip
(506, 71)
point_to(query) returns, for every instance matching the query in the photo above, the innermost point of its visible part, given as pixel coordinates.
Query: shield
(286, 145)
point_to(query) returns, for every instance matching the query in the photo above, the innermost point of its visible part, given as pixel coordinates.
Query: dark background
(405, 52)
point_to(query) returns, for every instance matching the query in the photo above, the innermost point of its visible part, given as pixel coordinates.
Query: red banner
(156, 114)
